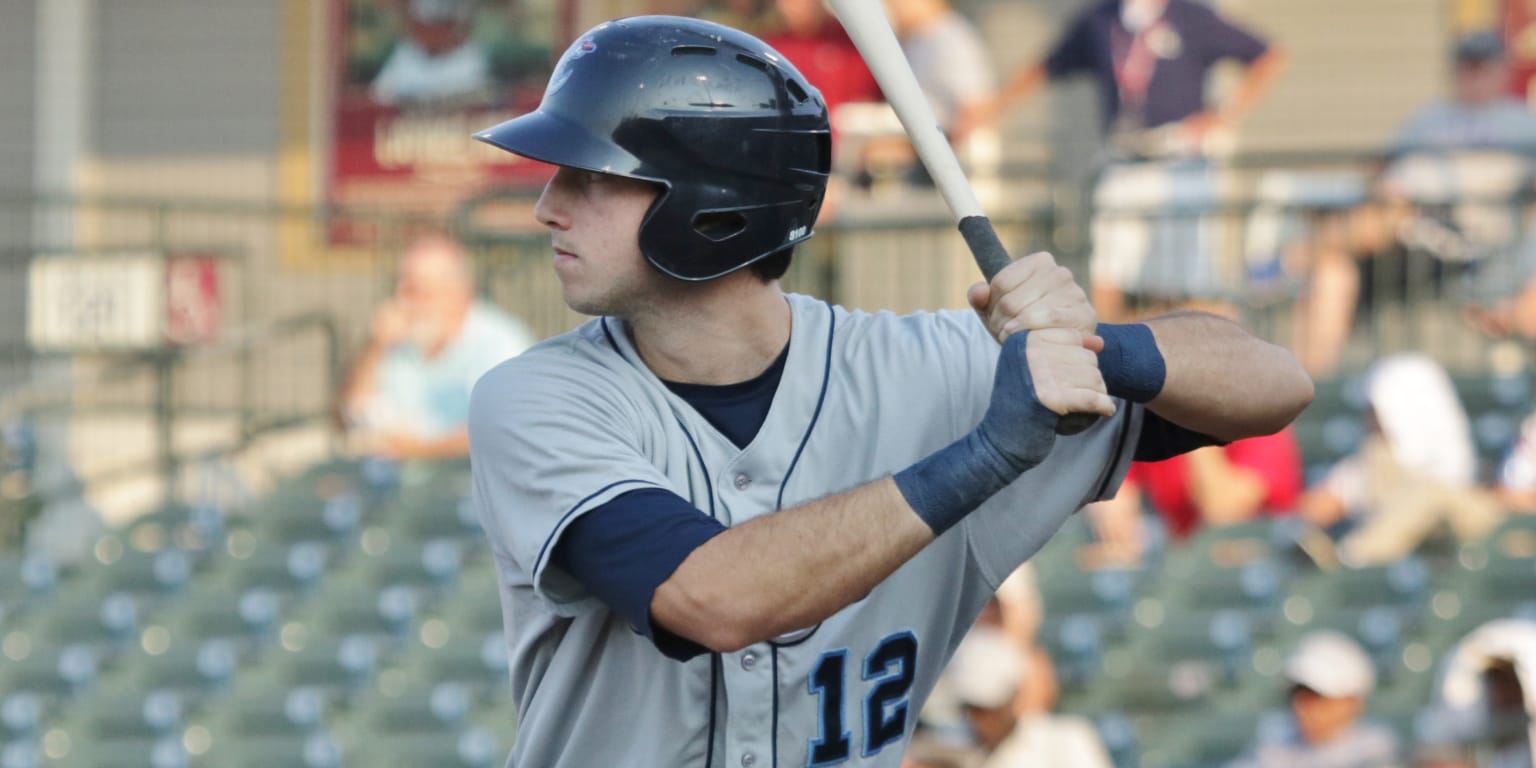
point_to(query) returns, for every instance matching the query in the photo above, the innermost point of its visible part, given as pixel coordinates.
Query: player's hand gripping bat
(866, 23)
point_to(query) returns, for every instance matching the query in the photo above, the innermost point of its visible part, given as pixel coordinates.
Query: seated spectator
(989, 675)
(1414, 470)
(407, 396)
(1349, 252)
(812, 39)
(1211, 486)
(1331, 678)
(954, 70)
(1486, 702)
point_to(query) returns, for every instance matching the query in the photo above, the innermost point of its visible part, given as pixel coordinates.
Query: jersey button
(748, 760)
(749, 661)
(742, 481)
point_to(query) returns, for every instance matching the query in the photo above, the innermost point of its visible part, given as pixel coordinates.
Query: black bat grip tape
(990, 255)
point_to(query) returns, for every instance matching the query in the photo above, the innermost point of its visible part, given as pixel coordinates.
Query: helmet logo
(581, 48)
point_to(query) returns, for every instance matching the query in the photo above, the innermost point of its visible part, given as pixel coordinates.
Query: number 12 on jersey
(891, 666)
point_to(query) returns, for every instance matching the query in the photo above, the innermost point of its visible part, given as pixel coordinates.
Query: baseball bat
(866, 24)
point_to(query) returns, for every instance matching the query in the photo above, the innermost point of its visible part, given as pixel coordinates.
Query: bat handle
(990, 255)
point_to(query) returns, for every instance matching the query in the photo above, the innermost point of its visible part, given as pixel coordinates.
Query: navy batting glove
(1131, 363)
(1016, 433)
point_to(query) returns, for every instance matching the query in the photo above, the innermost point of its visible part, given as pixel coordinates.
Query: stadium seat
(258, 708)
(427, 516)
(475, 659)
(1197, 740)
(1402, 586)
(426, 565)
(25, 580)
(281, 568)
(164, 662)
(468, 748)
(141, 574)
(314, 750)
(50, 673)
(125, 715)
(76, 750)
(107, 622)
(338, 609)
(476, 607)
(335, 665)
(211, 612)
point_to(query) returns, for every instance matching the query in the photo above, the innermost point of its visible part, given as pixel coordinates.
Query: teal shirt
(430, 397)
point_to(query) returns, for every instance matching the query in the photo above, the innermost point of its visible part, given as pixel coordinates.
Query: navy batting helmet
(733, 133)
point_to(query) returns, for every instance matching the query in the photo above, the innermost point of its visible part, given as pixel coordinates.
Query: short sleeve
(1220, 39)
(549, 443)
(967, 75)
(1074, 51)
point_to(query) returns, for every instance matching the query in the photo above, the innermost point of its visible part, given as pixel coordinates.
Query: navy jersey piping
(714, 688)
(560, 526)
(1109, 474)
(774, 734)
(709, 486)
(821, 399)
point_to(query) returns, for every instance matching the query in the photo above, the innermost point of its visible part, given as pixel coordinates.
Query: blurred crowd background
(251, 264)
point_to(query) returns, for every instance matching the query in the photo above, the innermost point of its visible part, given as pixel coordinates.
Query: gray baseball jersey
(579, 420)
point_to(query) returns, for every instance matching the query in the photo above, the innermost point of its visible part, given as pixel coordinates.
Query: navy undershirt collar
(736, 410)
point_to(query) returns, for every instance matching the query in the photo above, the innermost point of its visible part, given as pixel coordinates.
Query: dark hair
(773, 267)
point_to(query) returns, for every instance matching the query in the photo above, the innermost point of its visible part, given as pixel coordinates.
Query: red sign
(1519, 29)
(192, 306)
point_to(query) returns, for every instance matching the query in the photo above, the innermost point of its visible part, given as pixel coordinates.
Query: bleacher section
(351, 618)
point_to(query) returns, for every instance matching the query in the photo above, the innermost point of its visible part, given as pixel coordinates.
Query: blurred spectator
(1487, 696)
(1211, 486)
(436, 61)
(1331, 678)
(1150, 60)
(1460, 149)
(1414, 470)
(1516, 483)
(955, 71)
(988, 673)
(813, 40)
(949, 58)
(407, 396)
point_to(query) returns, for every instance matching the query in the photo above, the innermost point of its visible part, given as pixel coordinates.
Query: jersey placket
(747, 489)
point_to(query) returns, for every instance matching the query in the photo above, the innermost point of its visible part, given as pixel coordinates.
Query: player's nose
(552, 208)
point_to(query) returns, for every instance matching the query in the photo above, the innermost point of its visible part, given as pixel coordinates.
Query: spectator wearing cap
(1486, 699)
(1331, 678)
(1346, 251)
(986, 675)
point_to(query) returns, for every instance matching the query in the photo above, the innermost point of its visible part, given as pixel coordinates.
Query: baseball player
(738, 527)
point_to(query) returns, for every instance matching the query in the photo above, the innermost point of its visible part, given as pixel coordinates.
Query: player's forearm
(791, 569)
(1223, 382)
(1254, 84)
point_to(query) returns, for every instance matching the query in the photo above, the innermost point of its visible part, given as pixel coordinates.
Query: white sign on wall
(115, 301)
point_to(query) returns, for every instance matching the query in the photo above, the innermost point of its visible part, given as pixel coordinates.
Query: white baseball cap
(986, 669)
(1332, 664)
